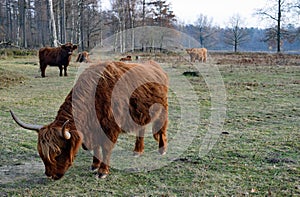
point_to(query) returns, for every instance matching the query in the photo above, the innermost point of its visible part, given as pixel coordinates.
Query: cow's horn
(58, 42)
(65, 132)
(24, 125)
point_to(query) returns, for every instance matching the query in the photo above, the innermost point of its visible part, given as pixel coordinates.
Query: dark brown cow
(127, 58)
(58, 56)
(108, 99)
(83, 57)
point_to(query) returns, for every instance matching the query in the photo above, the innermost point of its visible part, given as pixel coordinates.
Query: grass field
(256, 154)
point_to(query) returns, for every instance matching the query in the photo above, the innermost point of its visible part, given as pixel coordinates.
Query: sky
(187, 11)
(219, 10)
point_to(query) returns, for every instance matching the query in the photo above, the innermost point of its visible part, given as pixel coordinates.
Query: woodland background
(36, 23)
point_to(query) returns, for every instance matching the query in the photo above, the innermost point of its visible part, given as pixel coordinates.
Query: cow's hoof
(102, 175)
(137, 154)
(162, 153)
(94, 169)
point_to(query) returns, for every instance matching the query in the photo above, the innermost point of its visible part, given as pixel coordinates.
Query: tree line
(36, 23)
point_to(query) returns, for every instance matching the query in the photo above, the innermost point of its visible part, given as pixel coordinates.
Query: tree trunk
(279, 27)
(73, 29)
(9, 21)
(22, 22)
(80, 25)
(63, 21)
(52, 23)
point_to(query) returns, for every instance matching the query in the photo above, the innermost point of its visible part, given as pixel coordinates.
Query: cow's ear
(76, 142)
(63, 46)
(74, 47)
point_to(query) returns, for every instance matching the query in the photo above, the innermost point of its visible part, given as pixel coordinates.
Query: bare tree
(206, 31)
(276, 10)
(162, 15)
(235, 34)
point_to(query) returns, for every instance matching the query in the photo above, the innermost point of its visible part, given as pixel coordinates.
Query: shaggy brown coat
(127, 58)
(108, 99)
(199, 54)
(58, 56)
(83, 57)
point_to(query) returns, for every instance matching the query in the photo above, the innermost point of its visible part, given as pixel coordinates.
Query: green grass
(258, 153)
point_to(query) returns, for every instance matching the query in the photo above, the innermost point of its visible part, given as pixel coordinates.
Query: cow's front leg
(106, 147)
(60, 70)
(65, 70)
(96, 159)
(139, 142)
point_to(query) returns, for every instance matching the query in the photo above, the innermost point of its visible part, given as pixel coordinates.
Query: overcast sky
(220, 11)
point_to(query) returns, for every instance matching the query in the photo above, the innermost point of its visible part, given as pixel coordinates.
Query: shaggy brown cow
(108, 99)
(199, 54)
(83, 57)
(58, 56)
(127, 58)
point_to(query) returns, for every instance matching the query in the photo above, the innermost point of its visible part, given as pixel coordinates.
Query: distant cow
(108, 99)
(83, 57)
(199, 54)
(58, 56)
(127, 58)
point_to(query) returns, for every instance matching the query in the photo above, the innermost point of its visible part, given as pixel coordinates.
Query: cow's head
(69, 47)
(189, 50)
(57, 146)
(83, 57)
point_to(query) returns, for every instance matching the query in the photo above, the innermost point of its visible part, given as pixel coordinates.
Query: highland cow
(108, 99)
(58, 56)
(83, 57)
(199, 54)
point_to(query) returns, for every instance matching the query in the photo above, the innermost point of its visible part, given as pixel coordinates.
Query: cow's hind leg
(96, 159)
(43, 69)
(159, 130)
(139, 143)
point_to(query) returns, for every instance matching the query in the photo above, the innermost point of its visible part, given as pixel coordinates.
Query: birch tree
(52, 23)
(62, 21)
(235, 34)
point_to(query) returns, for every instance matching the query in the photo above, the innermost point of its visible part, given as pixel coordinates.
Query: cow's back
(116, 97)
(50, 56)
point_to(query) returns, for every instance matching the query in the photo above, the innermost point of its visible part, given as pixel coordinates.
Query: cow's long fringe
(50, 143)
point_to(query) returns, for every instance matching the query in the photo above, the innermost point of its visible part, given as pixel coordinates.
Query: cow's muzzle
(57, 176)
(54, 176)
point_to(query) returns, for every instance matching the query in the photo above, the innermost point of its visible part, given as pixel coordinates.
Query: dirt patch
(229, 58)
(12, 173)
(255, 58)
(8, 78)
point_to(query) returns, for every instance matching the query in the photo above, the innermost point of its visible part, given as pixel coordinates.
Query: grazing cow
(199, 54)
(83, 57)
(128, 58)
(58, 56)
(108, 99)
